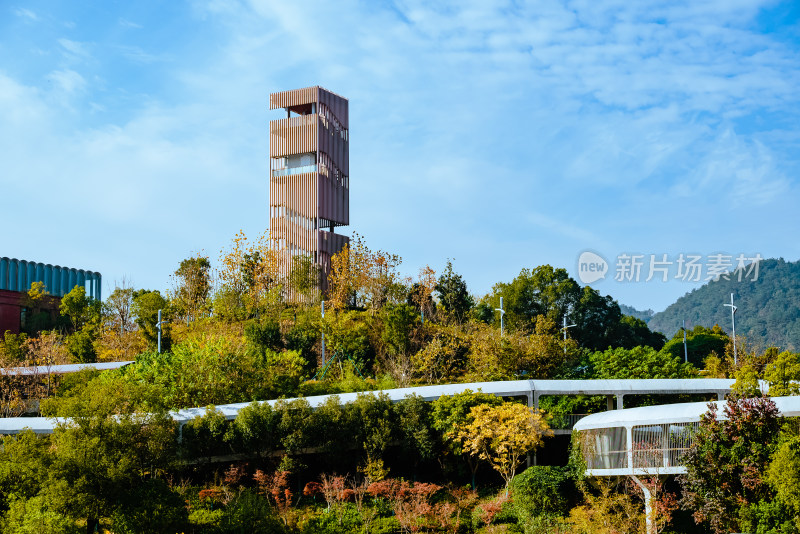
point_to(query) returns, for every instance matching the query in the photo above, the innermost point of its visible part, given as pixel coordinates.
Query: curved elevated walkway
(530, 389)
(651, 440)
(41, 370)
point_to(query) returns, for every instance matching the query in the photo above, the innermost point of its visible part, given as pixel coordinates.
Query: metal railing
(286, 171)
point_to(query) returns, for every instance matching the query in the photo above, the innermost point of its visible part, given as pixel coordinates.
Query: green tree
(453, 295)
(541, 291)
(376, 417)
(701, 342)
(146, 305)
(598, 321)
(639, 362)
(117, 440)
(634, 332)
(192, 287)
(255, 430)
(418, 441)
(783, 473)
(783, 374)
(399, 323)
(85, 315)
(304, 278)
(81, 309)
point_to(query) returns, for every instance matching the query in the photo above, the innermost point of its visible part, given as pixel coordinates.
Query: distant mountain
(644, 315)
(768, 308)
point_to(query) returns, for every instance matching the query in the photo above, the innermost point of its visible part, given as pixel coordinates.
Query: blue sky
(500, 134)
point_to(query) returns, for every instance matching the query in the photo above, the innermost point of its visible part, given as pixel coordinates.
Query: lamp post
(323, 333)
(158, 327)
(733, 327)
(685, 350)
(502, 312)
(564, 328)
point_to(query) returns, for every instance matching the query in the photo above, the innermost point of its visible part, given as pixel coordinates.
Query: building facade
(16, 277)
(309, 180)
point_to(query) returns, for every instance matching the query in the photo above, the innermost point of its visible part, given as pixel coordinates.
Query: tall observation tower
(309, 177)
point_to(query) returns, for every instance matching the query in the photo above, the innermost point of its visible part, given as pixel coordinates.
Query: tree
(304, 278)
(81, 310)
(783, 473)
(118, 308)
(451, 413)
(375, 431)
(399, 322)
(541, 291)
(727, 460)
(192, 287)
(701, 342)
(452, 292)
(502, 435)
(146, 305)
(639, 362)
(416, 436)
(255, 430)
(421, 294)
(634, 333)
(783, 374)
(362, 278)
(444, 357)
(39, 305)
(85, 315)
(249, 275)
(551, 292)
(47, 350)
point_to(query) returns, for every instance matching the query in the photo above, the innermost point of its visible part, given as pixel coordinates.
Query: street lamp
(685, 350)
(323, 333)
(158, 327)
(502, 312)
(564, 328)
(733, 326)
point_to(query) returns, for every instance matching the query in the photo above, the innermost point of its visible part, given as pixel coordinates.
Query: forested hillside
(768, 308)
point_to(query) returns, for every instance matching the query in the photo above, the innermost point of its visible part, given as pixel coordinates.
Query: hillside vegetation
(243, 333)
(768, 308)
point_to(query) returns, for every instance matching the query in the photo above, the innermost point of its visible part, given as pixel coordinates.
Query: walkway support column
(648, 506)
(619, 400)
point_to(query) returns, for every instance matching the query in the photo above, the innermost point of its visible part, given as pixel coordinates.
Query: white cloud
(67, 81)
(125, 23)
(26, 13)
(74, 49)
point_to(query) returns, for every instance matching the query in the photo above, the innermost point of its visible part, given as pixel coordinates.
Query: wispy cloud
(136, 54)
(67, 81)
(74, 49)
(125, 23)
(26, 13)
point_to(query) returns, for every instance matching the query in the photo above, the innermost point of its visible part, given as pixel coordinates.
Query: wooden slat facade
(306, 203)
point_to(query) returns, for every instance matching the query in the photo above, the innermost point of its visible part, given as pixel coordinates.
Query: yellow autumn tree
(363, 278)
(249, 273)
(503, 435)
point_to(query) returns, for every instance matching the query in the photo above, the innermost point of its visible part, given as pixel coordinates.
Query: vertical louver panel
(302, 202)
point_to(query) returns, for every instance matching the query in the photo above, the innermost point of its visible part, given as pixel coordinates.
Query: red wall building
(16, 277)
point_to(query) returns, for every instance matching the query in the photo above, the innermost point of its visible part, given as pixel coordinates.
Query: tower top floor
(312, 100)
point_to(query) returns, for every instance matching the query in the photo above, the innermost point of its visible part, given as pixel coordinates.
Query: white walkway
(530, 389)
(650, 440)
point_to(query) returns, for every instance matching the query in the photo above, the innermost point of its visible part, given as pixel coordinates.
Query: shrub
(543, 490)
